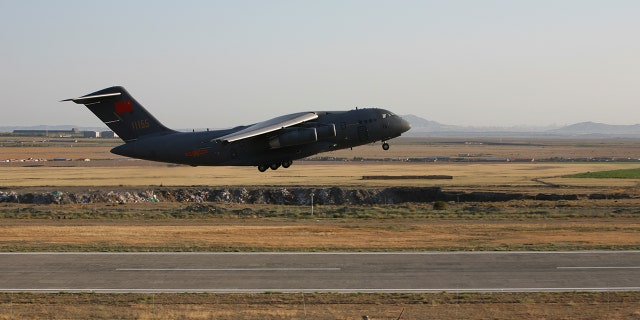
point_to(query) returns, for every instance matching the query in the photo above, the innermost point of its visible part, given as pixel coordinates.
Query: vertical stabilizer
(122, 114)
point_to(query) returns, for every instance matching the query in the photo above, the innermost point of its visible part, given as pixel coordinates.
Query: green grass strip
(612, 174)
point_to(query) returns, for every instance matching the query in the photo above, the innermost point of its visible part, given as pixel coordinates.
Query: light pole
(312, 203)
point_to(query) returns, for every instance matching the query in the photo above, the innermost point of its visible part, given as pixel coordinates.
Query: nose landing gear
(385, 145)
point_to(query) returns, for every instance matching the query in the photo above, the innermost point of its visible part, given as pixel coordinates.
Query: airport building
(73, 133)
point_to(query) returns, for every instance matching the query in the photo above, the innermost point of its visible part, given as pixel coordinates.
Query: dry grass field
(393, 235)
(323, 306)
(101, 171)
(514, 225)
(484, 176)
(401, 148)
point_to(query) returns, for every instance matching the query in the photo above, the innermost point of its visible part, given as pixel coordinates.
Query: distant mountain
(423, 127)
(420, 125)
(590, 128)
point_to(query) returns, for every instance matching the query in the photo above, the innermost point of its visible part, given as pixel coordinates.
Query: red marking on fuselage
(196, 152)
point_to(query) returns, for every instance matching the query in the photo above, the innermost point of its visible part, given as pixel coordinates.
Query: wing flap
(269, 126)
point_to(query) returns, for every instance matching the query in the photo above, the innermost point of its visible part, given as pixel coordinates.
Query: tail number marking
(140, 124)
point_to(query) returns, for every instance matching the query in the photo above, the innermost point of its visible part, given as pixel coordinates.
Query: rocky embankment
(284, 195)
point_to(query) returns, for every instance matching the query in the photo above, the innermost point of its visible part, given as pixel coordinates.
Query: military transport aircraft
(269, 144)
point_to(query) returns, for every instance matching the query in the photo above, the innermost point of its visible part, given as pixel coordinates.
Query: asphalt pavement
(321, 272)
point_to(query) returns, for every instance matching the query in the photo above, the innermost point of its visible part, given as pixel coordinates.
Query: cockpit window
(387, 115)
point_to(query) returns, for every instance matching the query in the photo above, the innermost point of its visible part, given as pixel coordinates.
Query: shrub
(439, 205)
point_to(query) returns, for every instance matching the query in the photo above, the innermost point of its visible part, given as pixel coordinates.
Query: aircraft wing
(269, 126)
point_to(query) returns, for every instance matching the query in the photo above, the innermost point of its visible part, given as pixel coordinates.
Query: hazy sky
(199, 64)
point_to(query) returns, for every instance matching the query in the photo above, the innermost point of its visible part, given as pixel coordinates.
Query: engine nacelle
(293, 137)
(323, 130)
(326, 131)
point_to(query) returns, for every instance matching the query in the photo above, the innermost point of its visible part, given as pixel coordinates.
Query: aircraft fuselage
(268, 144)
(352, 128)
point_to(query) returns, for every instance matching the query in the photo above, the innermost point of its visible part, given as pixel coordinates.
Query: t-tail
(122, 114)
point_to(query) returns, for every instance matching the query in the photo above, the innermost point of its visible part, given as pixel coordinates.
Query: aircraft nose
(404, 125)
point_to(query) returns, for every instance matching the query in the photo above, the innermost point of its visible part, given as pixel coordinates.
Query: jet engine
(323, 130)
(326, 130)
(293, 137)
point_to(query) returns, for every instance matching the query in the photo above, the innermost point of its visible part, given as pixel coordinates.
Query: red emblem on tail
(124, 107)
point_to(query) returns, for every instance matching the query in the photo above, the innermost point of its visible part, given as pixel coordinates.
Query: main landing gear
(385, 145)
(275, 166)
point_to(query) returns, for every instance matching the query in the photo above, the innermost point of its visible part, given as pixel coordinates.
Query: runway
(321, 272)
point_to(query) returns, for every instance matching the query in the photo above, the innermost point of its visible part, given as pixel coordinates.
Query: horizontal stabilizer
(85, 99)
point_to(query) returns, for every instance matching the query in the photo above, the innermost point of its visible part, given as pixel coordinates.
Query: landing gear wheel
(385, 146)
(287, 164)
(274, 166)
(263, 167)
